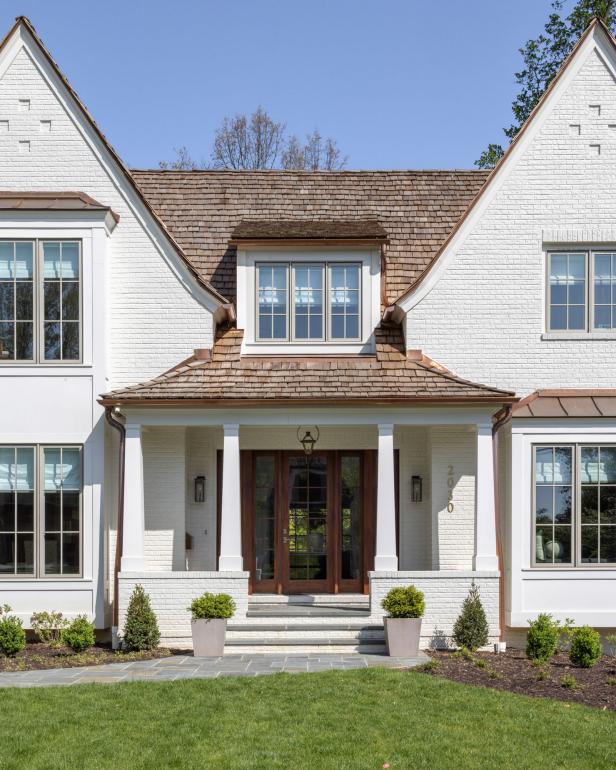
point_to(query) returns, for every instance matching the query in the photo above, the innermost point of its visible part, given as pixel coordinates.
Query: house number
(450, 485)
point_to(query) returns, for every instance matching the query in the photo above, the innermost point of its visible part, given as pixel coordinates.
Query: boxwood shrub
(12, 634)
(585, 647)
(404, 602)
(79, 635)
(212, 606)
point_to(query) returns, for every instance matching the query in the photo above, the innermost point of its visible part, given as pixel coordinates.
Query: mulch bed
(38, 656)
(513, 672)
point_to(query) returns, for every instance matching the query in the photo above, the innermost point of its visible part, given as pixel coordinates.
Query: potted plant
(404, 607)
(209, 623)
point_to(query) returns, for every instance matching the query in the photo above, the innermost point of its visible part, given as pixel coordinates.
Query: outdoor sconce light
(199, 489)
(308, 441)
(416, 489)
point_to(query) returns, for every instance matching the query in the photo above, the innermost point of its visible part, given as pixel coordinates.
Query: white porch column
(134, 518)
(231, 518)
(386, 558)
(485, 557)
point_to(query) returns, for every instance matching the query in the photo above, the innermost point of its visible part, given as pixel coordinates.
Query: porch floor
(188, 667)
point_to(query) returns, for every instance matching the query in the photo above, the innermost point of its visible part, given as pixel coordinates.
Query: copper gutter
(499, 543)
(117, 425)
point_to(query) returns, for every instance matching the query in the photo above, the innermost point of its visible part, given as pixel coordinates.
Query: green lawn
(335, 720)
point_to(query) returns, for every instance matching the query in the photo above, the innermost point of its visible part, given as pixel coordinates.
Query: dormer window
(308, 302)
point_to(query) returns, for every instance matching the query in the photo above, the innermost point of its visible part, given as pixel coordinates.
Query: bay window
(574, 505)
(308, 302)
(581, 291)
(40, 301)
(40, 511)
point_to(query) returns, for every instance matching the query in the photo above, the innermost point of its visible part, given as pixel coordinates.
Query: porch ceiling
(393, 375)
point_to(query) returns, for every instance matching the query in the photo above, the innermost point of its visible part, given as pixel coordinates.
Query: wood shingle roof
(414, 210)
(391, 376)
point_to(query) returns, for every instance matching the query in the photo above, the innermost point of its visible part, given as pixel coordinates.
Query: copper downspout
(499, 545)
(117, 425)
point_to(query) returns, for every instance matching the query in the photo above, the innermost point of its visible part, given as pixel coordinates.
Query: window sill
(563, 336)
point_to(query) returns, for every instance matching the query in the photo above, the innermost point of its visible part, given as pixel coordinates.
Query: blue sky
(398, 83)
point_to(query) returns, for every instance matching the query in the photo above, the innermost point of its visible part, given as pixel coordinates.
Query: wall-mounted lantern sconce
(199, 489)
(416, 491)
(309, 439)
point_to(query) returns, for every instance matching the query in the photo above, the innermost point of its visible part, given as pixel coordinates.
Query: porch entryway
(308, 522)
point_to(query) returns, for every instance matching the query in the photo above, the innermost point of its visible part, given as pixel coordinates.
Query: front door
(308, 524)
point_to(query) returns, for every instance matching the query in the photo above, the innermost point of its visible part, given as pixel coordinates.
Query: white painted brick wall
(154, 323)
(172, 592)
(453, 532)
(445, 592)
(484, 318)
(415, 518)
(201, 446)
(164, 473)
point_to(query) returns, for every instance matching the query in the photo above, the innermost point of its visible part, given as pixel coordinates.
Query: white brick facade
(445, 591)
(484, 319)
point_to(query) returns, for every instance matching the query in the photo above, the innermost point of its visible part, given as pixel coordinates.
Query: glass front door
(306, 537)
(308, 526)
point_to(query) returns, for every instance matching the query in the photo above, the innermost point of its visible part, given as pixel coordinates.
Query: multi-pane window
(40, 301)
(581, 291)
(60, 301)
(17, 490)
(40, 511)
(306, 302)
(16, 300)
(605, 291)
(574, 505)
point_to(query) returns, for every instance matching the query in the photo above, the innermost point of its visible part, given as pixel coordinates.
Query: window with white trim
(581, 291)
(40, 301)
(574, 505)
(40, 511)
(308, 302)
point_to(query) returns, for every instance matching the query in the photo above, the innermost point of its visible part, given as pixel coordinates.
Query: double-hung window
(574, 505)
(308, 302)
(40, 511)
(40, 301)
(581, 291)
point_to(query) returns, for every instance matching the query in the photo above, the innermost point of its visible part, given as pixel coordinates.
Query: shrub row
(546, 635)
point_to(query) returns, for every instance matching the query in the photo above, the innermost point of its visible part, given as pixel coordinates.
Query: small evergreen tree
(141, 626)
(471, 628)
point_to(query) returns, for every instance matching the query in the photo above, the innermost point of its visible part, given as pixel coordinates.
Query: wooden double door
(308, 524)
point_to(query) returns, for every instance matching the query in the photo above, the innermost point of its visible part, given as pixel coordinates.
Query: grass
(344, 720)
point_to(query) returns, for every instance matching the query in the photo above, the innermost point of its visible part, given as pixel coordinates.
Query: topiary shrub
(79, 635)
(141, 626)
(12, 634)
(585, 647)
(542, 639)
(404, 602)
(48, 627)
(471, 628)
(212, 606)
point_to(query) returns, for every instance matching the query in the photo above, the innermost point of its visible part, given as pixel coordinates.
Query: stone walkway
(189, 667)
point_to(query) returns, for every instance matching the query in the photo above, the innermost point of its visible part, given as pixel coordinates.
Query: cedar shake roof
(286, 230)
(390, 376)
(51, 201)
(415, 210)
(567, 403)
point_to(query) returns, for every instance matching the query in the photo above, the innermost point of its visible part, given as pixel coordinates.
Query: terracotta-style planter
(208, 637)
(402, 637)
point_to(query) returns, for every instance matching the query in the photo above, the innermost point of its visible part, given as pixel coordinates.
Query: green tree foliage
(471, 628)
(141, 626)
(542, 58)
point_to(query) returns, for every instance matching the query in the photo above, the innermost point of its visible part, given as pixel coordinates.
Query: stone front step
(313, 634)
(359, 600)
(287, 647)
(306, 611)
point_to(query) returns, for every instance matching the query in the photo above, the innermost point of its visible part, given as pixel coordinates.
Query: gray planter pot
(402, 637)
(208, 637)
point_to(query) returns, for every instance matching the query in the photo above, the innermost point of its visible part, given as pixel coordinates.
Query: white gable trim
(598, 41)
(22, 39)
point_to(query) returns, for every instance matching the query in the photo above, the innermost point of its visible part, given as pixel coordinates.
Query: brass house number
(450, 485)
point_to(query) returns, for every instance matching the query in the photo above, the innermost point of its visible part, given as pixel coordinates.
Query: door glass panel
(307, 536)
(350, 513)
(265, 508)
